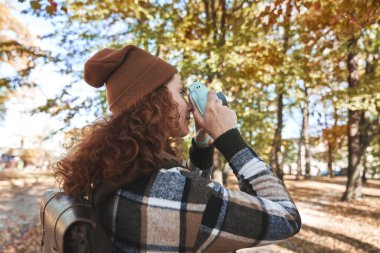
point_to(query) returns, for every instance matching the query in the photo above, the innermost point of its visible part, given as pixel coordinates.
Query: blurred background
(302, 75)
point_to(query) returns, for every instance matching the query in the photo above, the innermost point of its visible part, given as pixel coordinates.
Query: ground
(19, 211)
(328, 225)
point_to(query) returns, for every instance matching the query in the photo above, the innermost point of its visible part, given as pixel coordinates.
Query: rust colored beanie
(129, 73)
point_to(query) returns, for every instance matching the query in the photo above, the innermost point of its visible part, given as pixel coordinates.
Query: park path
(328, 225)
(19, 205)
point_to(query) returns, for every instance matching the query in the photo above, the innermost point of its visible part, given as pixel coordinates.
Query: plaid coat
(179, 210)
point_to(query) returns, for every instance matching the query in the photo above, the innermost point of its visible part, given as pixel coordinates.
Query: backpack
(72, 223)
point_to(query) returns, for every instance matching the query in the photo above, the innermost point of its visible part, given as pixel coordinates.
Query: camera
(198, 94)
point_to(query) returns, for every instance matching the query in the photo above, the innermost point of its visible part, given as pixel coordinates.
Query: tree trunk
(301, 141)
(276, 156)
(276, 147)
(354, 183)
(305, 124)
(329, 158)
(365, 165)
(331, 138)
(299, 155)
(365, 140)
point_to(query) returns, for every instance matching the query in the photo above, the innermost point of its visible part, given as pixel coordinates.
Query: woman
(171, 209)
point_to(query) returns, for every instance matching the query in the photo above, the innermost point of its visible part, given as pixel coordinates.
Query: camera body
(198, 94)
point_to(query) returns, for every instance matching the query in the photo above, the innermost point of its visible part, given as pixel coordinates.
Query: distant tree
(341, 30)
(221, 43)
(335, 137)
(290, 152)
(268, 56)
(17, 51)
(372, 161)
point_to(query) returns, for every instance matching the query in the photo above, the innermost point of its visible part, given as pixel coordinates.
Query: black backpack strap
(104, 189)
(171, 161)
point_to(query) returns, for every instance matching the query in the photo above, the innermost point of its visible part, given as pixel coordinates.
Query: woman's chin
(180, 134)
(184, 133)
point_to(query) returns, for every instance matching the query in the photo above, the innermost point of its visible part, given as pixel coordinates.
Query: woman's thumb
(198, 117)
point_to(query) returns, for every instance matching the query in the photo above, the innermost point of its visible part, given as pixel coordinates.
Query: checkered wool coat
(178, 210)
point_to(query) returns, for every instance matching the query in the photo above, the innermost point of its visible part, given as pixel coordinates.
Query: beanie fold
(157, 75)
(129, 73)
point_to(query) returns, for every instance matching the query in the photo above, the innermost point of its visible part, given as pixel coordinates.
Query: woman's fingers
(212, 98)
(199, 120)
(217, 118)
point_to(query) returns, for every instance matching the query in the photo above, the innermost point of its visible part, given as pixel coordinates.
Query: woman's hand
(217, 118)
(202, 139)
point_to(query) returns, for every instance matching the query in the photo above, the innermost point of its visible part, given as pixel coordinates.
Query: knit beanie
(129, 73)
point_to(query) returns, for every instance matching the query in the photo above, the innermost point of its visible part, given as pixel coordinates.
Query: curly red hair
(130, 144)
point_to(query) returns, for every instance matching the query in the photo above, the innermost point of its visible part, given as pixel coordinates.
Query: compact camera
(198, 94)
